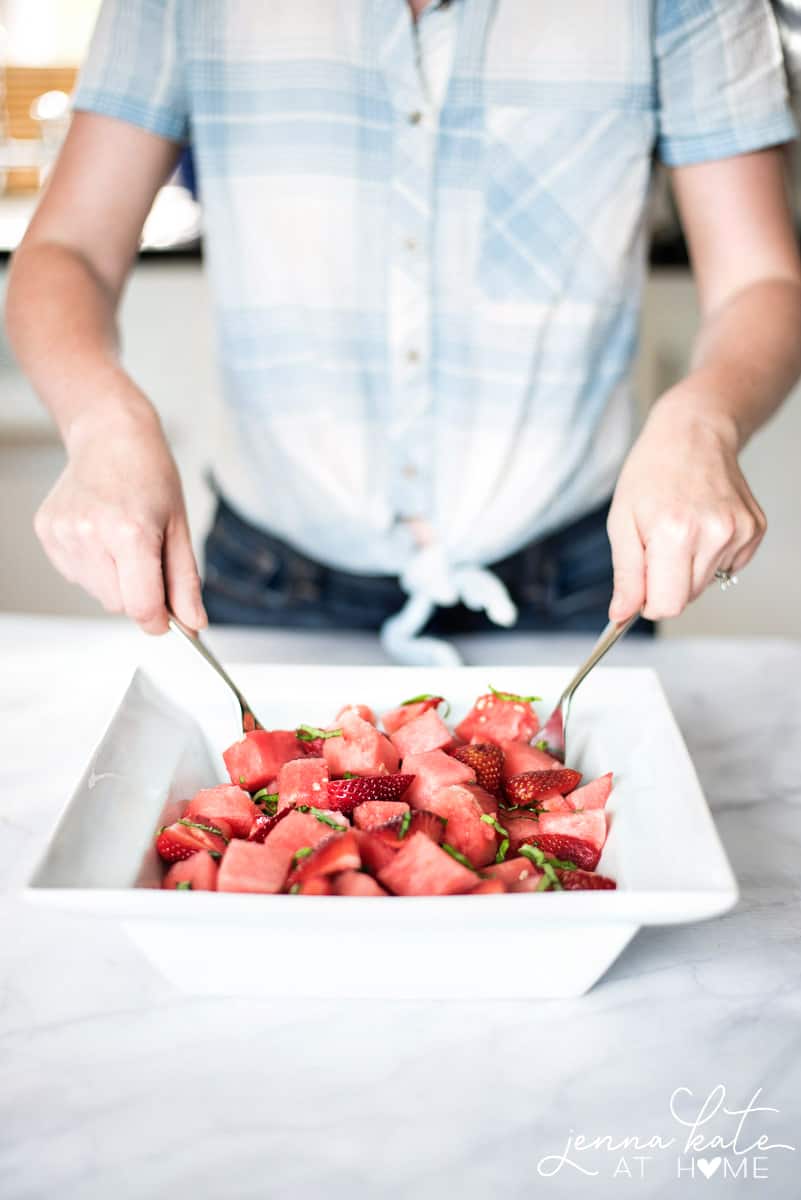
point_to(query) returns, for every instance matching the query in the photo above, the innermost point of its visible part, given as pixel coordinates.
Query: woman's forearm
(61, 321)
(746, 359)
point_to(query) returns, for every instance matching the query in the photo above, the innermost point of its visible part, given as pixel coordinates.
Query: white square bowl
(165, 742)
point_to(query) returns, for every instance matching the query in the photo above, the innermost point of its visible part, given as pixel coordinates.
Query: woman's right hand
(115, 521)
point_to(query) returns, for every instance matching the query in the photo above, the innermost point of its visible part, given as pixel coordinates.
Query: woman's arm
(682, 507)
(115, 521)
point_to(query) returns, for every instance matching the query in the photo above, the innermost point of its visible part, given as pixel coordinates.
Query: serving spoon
(249, 720)
(554, 731)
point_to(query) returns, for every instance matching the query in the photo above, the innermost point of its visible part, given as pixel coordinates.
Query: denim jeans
(562, 583)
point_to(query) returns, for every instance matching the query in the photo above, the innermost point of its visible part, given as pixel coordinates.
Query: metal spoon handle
(249, 721)
(612, 633)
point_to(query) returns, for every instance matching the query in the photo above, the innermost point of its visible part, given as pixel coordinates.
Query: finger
(58, 556)
(717, 544)
(628, 563)
(746, 552)
(181, 576)
(668, 573)
(102, 580)
(82, 559)
(141, 578)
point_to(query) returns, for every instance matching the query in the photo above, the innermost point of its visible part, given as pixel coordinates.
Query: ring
(725, 579)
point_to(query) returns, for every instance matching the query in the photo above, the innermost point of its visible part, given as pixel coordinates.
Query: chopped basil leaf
(541, 745)
(324, 817)
(310, 733)
(350, 775)
(503, 850)
(405, 823)
(215, 854)
(457, 854)
(242, 780)
(184, 886)
(428, 696)
(545, 863)
(302, 853)
(488, 819)
(206, 828)
(513, 697)
(293, 891)
(544, 884)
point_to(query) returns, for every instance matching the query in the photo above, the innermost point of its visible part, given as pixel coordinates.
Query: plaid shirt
(427, 297)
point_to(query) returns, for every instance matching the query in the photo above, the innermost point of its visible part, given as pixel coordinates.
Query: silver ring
(725, 579)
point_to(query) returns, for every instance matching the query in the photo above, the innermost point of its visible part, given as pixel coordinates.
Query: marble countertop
(114, 1085)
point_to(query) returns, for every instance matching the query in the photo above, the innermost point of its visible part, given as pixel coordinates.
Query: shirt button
(413, 357)
(415, 117)
(410, 244)
(409, 472)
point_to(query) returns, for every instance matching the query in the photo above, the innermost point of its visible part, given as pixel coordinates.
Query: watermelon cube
(356, 883)
(590, 825)
(421, 868)
(511, 871)
(489, 887)
(255, 760)
(426, 732)
(531, 883)
(397, 717)
(521, 828)
(519, 757)
(361, 710)
(591, 795)
(433, 771)
(372, 814)
(196, 874)
(459, 805)
(492, 719)
(303, 781)
(227, 803)
(554, 802)
(266, 871)
(375, 852)
(361, 750)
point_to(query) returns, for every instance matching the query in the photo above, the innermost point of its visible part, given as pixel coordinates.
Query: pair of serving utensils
(553, 732)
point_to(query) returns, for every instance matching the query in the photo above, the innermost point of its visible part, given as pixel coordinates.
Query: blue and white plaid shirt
(427, 248)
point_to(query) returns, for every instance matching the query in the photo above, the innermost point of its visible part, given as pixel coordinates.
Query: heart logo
(708, 1166)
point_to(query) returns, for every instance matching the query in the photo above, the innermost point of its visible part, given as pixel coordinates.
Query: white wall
(44, 33)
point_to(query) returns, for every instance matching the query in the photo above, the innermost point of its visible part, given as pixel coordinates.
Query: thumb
(628, 562)
(181, 575)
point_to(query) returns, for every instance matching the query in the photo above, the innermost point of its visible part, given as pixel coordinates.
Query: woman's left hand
(682, 510)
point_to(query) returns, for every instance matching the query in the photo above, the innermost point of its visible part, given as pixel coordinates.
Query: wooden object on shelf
(23, 86)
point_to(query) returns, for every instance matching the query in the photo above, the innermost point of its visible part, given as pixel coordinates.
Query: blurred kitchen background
(168, 341)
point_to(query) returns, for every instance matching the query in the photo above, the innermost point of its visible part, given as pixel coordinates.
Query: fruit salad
(404, 806)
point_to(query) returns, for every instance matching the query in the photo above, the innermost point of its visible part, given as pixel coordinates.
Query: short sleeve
(133, 69)
(721, 83)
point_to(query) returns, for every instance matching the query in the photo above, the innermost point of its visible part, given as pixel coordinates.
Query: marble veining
(114, 1085)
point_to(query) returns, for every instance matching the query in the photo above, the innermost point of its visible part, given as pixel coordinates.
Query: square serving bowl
(165, 742)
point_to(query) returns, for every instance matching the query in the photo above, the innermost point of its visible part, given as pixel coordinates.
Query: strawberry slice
(177, 841)
(399, 829)
(571, 849)
(264, 824)
(486, 760)
(345, 794)
(527, 787)
(584, 881)
(339, 852)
